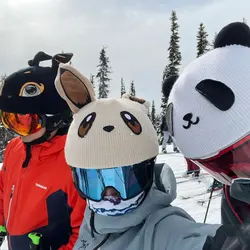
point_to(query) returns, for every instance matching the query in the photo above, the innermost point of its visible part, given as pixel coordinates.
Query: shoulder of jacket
(12, 143)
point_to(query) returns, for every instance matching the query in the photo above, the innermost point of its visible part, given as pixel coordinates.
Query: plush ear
(237, 33)
(168, 84)
(73, 87)
(61, 58)
(39, 57)
(145, 103)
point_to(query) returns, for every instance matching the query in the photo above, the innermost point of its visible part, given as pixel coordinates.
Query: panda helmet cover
(209, 104)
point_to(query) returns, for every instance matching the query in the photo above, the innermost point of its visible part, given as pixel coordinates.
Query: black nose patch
(189, 118)
(108, 128)
(217, 93)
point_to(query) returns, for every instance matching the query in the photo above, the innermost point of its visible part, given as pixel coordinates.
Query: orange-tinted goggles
(22, 124)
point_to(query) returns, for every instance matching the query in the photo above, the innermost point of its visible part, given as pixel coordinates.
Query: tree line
(172, 67)
(102, 78)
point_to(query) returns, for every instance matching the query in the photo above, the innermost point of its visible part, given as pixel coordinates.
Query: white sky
(135, 31)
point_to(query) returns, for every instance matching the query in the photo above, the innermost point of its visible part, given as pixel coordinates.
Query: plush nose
(188, 117)
(108, 128)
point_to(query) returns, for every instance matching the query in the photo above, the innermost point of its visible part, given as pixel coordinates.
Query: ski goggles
(22, 124)
(128, 181)
(232, 162)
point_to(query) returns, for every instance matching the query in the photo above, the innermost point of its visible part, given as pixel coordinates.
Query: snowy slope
(188, 187)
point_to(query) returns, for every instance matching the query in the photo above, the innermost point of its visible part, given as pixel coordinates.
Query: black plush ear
(237, 33)
(61, 58)
(39, 57)
(218, 93)
(168, 84)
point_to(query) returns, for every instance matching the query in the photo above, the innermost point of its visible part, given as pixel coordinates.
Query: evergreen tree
(202, 41)
(103, 74)
(92, 80)
(5, 135)
(174, 57)
(158, 120)
(212, 44)
(123, 89)
(244, 20)
(153, 114)
(132, 89)
(148, 113)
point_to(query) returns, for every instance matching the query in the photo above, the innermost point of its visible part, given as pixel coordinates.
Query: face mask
(111, 206)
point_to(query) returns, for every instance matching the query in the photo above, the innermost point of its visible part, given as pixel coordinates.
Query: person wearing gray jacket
(167, 136)
(111, 148)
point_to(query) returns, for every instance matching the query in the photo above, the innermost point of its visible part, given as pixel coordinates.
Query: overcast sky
(135, 31)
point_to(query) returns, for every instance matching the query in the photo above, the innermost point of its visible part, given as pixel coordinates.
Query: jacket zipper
(25, 164)
(102, 242)
(10, 203)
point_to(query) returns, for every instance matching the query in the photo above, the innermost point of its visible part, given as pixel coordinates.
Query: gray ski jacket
(154, 225)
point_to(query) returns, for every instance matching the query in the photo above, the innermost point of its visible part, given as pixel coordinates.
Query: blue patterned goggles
(128, 181)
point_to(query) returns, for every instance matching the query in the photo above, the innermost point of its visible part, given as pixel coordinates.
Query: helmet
(32, 91)
(208, 106)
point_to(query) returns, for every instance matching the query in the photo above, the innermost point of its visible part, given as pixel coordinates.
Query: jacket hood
(155, 224)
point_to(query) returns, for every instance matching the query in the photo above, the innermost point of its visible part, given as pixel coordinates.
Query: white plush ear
(145, 103)
(73, 87)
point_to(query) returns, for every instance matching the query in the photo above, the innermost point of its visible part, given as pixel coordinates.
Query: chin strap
(40, 140)
(29, 144)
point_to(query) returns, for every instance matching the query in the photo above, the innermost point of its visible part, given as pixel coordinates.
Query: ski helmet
(31, 91)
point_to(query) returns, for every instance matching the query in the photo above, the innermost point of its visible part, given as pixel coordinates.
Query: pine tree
(123, 89)
(103, 74)
(244, 20)
(149, 114)
(202, 41)
(132, 89)
(212, 44)
(158, 120)
(174, 57)
(153, 114)
(5, 135)
(92, 80)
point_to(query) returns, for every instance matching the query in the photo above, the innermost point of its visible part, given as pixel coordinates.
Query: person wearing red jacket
(192, 168)
(37, 193)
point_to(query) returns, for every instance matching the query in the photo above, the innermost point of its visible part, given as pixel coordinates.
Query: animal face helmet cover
(28, 98)
(111, 143)
(208, 106)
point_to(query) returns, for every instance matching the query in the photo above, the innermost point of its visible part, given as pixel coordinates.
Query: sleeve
(1, 197)
(199, 236)
(78, 206)
(2, 173)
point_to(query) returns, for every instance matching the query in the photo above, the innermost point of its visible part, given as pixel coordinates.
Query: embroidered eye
(31, 89)
(131, 122)
(86, 124)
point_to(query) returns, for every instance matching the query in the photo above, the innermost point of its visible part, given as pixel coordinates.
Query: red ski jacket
(39, 196)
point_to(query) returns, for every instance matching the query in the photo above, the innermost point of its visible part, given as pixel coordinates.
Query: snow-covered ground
(190, 187)
(190, 192)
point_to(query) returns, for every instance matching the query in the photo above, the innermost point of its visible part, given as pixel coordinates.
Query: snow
(191, 187)
(187, 186)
